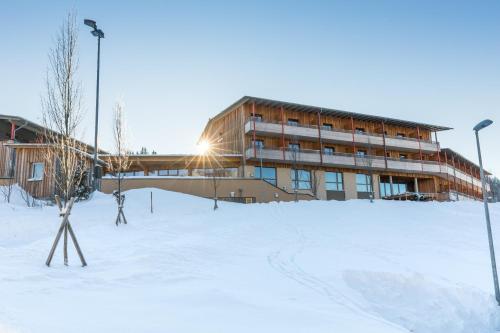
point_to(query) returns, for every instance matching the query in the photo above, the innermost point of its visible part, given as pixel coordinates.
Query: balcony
(313, 157)
(338, 136)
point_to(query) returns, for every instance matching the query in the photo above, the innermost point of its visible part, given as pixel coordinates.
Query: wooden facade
(235, 132)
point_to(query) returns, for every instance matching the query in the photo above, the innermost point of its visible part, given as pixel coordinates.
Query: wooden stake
(65, 227)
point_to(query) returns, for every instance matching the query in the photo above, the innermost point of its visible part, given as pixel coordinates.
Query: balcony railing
(313, 157)
(337, 135)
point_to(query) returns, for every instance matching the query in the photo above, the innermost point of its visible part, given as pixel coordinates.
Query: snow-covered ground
(281, 267)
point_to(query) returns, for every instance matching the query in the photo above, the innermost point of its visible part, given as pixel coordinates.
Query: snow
(280, 267)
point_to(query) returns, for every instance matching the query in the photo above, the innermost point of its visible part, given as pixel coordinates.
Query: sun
(203, 147)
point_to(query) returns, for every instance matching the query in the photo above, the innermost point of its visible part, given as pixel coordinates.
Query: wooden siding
(25, 157)
(6, 154)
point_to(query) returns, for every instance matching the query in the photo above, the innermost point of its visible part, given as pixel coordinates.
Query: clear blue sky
(175, 64)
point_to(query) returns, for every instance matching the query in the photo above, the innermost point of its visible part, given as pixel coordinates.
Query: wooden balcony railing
(313, 157)
(337, 135)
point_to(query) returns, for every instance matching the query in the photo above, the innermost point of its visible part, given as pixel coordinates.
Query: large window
(328, 150)
(173, 172)
(334, 181)
(363, 183)
(327, 126)
(397, 188)
(257, 118)
(36, 171)
(259, 144)
(220, 172)
(301, 179)
(267, 174)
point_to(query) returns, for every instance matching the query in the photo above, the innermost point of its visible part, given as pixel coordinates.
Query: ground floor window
(173, 172)
(334, 181)
(37, 171)
(266, 173)
(221, 172)
(363, 183)
(301, 179)
(397, 188)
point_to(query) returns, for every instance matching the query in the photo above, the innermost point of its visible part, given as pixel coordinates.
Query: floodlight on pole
(99, 34)
(483, 124)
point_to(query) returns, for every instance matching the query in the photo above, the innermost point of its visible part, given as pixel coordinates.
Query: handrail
(364, 157)
(341, 130)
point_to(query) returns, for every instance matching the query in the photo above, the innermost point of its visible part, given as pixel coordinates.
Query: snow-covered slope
(288, 267)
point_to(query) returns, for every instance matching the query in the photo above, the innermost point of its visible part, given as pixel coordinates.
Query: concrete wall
(203, 187)
(376, 186)
(350, 186)
(321, 188)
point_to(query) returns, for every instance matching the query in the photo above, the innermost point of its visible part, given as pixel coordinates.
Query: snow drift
(280, 267)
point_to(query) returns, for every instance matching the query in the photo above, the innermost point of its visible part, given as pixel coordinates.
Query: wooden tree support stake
(120, 199)
(65, 228)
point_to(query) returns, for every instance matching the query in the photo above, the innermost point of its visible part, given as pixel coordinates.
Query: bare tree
(7, 188)
(62, 114)
(120, 162)
(216, 174)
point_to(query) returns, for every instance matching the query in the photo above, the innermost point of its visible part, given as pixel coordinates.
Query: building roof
(35, 128)
(451, 153)
(330, 112)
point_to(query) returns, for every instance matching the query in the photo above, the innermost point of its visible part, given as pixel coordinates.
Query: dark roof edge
(37, 128)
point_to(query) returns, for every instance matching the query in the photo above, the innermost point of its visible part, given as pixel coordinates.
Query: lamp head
(98, 33)
(90, 23)
(483, 124)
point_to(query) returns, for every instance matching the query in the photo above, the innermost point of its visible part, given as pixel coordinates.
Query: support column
(392, 189)
(353, 143)
(254, 139)
(438, 149)
(282, 131)
(385, 147)
(419, 147)
(319, 139)
(447, 175)
(454, 175)
(415, 184)
(12, 131)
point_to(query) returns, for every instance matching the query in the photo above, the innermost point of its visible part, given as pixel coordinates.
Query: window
(401, 135)
(221, 172)
(257, 117)
(327, 127)
(360, 130)
(294, 146)
(173, 172)
(403, 156)
(293, 122)
(333, 181)
(301, 179)
(328, 150)
(36, 171)
(266, 174)
(259, 144)
(363, 183)
(361, 152)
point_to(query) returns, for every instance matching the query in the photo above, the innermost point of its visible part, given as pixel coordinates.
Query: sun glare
(203, 147)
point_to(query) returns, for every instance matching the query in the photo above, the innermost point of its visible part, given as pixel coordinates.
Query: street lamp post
(477, 128)
(99, 34)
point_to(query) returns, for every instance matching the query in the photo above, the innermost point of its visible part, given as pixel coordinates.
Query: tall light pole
(477, 128)
(99, 34)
